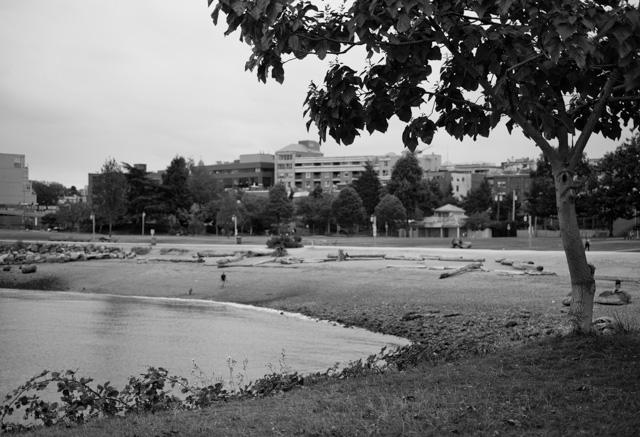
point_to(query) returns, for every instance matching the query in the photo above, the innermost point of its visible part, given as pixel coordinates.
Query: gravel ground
(470, 312)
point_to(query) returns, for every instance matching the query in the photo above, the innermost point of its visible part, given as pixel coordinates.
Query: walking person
(223, 279)
(587, 245)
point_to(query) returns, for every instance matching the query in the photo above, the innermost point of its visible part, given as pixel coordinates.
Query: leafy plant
(284, 241)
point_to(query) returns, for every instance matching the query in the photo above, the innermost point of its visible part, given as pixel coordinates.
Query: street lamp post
(143, 216)
(498, 199)
(375, 226)
(235, 225)
(93, 221)
(513, 209)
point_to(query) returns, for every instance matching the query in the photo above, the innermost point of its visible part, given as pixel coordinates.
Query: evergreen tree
(348, 210)
(479, 199)
(429, 197)
(368, 188)
(279, 208)
(175, 186)
(110, 193)
(405, 182)
(143, 194)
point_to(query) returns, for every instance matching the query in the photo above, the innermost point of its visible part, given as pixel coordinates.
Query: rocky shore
(38, 253)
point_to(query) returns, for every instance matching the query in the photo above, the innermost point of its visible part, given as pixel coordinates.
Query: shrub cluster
(284, 241)
(80, 401)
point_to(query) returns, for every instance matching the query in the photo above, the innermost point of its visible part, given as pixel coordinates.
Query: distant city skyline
(144, 81)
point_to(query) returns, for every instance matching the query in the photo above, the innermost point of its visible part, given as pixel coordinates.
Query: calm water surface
(110, 338)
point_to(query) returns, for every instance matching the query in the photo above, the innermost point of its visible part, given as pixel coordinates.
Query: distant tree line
(189, 199)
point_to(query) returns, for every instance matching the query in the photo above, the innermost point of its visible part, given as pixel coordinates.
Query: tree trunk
(583, 285)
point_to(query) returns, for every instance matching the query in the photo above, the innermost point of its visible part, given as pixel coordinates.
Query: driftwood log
(407, 266)
(463, 269)
(527, 266)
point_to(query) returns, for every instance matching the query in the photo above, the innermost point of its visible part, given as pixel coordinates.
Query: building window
(308, 184)
(457, 189)
(385, 172)
(346, 174)
(257, 170)
(308, 175)
(326, 183)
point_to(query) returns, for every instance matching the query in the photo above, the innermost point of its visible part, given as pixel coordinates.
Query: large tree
(559, 70)
(615, 186)
(478, 199)
(406, 177)
(279, 207)
(348, 210)
(109, 193)
(48, 193)
(142, 193)
(368, 188)
(175, 187)
(390, 212)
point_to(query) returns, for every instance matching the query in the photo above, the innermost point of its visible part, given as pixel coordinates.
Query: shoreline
(409, 303)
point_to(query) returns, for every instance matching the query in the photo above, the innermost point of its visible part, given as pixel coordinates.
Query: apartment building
(331, 173)
(15, 187)
(287, 157)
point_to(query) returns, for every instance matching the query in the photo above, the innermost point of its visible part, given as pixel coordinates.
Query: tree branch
(599, 107)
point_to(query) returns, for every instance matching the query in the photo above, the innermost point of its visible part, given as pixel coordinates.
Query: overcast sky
(142, 81)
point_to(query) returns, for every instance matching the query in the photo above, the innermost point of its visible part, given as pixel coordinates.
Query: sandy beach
(388, 296)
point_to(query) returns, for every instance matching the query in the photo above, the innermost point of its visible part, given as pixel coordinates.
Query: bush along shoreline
(81, 399)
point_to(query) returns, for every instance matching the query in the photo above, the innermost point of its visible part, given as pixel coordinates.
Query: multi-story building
(518, 184)
(249, 171)
(286, 158)
(15, 187)
(428, 163)
(331, 173)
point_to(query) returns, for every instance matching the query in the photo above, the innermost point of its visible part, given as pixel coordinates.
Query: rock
(30, 268)
(6, 268)
(606, 325)
(613, 298)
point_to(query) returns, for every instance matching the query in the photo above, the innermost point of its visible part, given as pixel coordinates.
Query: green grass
(578, 385)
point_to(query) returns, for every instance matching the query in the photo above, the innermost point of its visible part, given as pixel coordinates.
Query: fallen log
(538, 273)
(442, 268)
(403, 258)
(463, 269)
(509, 272)
(409, 266)
(264, 261)
(462, 259)
(526, 266)
(510, 262)
(367, 255)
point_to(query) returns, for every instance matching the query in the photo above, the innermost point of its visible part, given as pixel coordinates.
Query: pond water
(110, 338)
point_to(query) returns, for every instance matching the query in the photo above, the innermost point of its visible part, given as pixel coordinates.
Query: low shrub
(285, 241)
(140, 250)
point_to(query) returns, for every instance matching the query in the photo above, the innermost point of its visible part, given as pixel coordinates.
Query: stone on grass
(30, 268)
